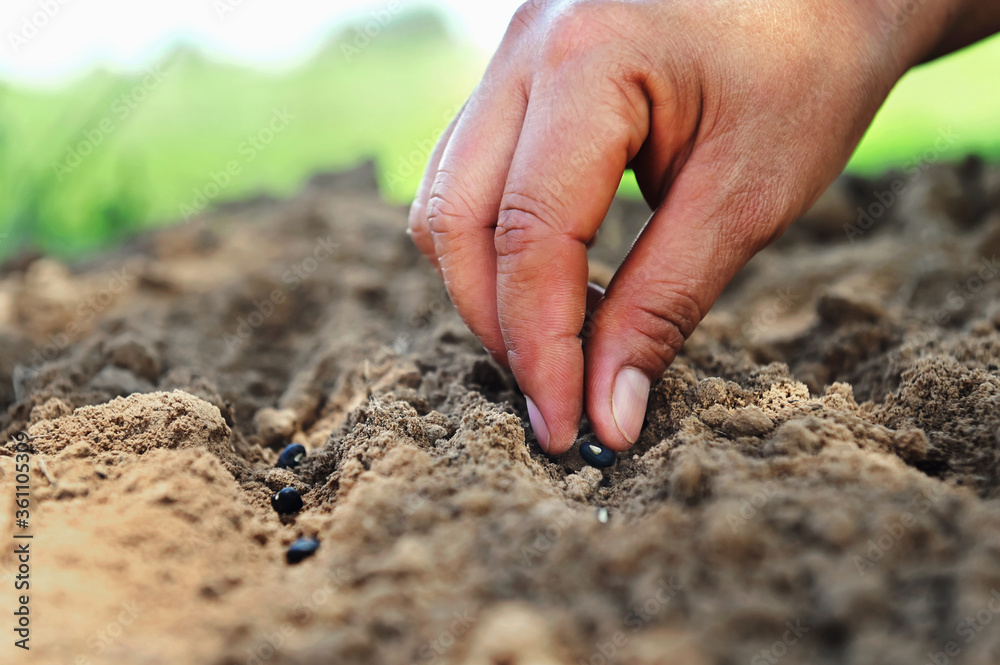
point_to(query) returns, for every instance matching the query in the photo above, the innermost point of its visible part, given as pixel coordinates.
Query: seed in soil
(596, 455)
(602, 515)
(291, 456)
(303, 548)
(287, 500)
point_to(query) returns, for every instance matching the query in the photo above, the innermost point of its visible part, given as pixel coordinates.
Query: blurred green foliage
(92, 162)
(958, 95)
(89, 163)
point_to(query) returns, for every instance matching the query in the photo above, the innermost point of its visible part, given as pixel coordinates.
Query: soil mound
(816, 482)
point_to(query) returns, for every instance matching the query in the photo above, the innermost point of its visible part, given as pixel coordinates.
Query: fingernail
(538, 424)
(628, 402)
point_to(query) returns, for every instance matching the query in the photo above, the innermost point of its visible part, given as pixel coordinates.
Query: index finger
(574, 146)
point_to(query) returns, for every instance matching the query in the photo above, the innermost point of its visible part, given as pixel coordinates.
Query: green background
(387, 101)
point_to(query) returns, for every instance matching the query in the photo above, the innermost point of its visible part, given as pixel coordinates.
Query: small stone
(291, 456)
(596, 455)
(602, 515)
(301, 549)
(748, 421)
(287, 500)
(583, 484)
(714, 415)
(135, 354)
(711, 391)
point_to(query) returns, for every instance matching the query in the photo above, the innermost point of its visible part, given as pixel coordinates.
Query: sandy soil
(817, 480)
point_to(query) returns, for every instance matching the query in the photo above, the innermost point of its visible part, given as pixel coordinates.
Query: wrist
(920, 30)
(969, 21)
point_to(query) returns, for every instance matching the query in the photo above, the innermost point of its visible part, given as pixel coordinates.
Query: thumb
(711, 224)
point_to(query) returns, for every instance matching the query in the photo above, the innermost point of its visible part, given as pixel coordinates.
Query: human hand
(734, 115)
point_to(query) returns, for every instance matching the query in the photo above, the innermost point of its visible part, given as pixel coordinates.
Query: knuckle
(523, 221)
(515, 234)
(578, 27)
(529, 209)
(448, 211)
(417, 221)
(526, 16)
(417, 226)
(666, 323)
(441, 215)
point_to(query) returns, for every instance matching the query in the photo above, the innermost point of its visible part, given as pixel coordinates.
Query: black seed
(287, 501)
(596, 455)
(302, 548)
(291, 456)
